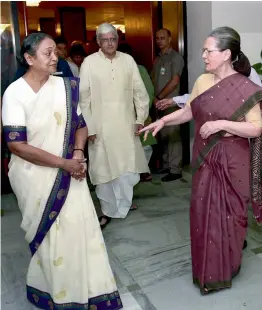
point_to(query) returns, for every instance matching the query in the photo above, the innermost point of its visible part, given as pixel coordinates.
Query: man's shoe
(162, 171)
(171, 177)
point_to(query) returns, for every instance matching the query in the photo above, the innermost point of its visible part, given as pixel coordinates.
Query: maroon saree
(223, 170)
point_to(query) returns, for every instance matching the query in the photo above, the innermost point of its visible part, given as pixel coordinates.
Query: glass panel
(7, 47)
(9, 33)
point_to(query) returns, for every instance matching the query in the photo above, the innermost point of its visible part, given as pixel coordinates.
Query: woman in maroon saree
(225, 105)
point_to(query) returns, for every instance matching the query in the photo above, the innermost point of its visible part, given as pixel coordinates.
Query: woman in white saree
(46, 134)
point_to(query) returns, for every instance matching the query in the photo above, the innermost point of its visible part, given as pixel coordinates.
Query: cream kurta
(113, 99)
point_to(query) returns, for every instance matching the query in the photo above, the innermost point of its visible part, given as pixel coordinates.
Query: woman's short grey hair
(106, 28)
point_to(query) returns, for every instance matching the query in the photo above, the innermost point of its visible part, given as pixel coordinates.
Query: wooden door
(140, 26)
(48, 25)
(174, 19)
(73, 23)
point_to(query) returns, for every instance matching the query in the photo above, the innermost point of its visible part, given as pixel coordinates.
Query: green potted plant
(258, 66)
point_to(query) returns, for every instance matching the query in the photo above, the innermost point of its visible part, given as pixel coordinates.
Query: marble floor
(149, 253)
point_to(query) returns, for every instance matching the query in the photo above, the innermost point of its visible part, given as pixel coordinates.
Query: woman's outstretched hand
(154, 128)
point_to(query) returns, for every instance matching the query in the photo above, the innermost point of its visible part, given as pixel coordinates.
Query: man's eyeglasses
(110, 40)
(207, 51)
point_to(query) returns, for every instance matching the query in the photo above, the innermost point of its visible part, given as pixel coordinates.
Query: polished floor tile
(181, 294)
(149, 253)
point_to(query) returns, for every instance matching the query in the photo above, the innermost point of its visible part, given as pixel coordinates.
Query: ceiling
(97, 12)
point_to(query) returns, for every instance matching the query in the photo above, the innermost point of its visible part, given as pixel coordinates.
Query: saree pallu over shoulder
(61, 185)
(256, 173)
(237, 95)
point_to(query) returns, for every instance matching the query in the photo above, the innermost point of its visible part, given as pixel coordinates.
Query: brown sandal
(133, 207)
(108, 220)
(146, 177)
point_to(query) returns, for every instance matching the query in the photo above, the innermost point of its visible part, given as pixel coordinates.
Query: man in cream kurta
(115, 104)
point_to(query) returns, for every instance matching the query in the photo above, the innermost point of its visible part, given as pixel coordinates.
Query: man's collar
(104, 56)
(167, 52)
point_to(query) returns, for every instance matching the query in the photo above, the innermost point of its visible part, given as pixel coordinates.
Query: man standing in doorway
(166, 74)
(115, 105)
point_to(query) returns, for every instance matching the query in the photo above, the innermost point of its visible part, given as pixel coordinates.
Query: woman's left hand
(209, 128)
(80, 176)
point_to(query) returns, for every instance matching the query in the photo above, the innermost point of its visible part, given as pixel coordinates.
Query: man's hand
(165, 104)
(92, 138)
(155, 101)
(138, 127)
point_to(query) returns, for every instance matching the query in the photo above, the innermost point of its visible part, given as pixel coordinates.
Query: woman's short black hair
(30, 45)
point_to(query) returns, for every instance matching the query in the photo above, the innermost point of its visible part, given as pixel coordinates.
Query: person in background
(61, 46)
(115, 105)
(227, 168)
(62, 51)
(166, 74)
(46, 133)
(77, 54)
(147, 145)
(121, 37)
(93, 46)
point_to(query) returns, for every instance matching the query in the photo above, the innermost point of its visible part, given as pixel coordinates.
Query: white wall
(199, 25)
(246, 18)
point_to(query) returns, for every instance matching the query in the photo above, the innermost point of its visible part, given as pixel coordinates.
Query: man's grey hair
(104, 29)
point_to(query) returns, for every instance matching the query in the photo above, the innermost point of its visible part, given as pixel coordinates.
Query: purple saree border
(15, 133)
(61, 185)
(43, 300)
